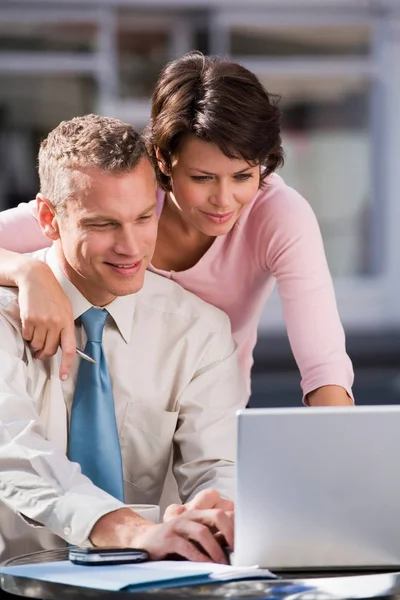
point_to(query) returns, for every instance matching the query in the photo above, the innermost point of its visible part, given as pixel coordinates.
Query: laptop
(318, 488)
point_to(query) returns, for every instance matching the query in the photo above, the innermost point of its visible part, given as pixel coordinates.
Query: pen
(85, 356)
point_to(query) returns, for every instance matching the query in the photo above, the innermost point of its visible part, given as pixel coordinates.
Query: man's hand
(204, 500)
(191, 534)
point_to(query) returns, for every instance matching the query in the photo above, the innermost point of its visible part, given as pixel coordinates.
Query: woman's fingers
(38, 340)
(46, 315)
(68, 347)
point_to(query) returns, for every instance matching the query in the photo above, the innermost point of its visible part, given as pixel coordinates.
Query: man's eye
(145, 218)
(101, 225)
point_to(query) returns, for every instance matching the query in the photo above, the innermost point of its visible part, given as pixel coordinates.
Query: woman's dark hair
(218, 101)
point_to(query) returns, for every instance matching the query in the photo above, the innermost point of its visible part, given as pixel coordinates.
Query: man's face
(108, 233)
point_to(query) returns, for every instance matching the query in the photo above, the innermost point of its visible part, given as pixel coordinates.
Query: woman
(228, 227)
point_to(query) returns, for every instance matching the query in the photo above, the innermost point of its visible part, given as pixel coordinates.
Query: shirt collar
(121, 308)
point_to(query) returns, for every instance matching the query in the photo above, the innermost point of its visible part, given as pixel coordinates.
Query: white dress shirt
(176, 384)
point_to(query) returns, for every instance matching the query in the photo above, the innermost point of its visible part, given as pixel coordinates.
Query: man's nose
(126, 242)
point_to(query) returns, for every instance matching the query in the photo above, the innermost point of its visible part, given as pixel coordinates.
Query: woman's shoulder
(276, 197)
(277, 206)
(277, 219)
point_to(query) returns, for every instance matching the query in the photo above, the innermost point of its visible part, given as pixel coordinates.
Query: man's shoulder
(167, 296)
(9, 305)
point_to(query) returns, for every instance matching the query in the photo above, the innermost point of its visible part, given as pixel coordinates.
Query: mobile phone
(106, 556)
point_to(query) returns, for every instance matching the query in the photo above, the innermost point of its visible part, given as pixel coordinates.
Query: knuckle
(201, 531)
(69, 352)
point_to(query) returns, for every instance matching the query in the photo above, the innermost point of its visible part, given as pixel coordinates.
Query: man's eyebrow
(108, 218)
(95, 218)
(148, 209)
(209, 173)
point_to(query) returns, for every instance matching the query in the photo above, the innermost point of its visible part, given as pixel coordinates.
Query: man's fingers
(204, 499)
(68, 347)
(201, 537)
(172, 511)
(226, 505)
(185, 548)
(210, 498)
(218, 520)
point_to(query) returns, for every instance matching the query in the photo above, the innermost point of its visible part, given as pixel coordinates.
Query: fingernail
(64, 377)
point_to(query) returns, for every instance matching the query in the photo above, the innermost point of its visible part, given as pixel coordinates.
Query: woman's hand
(46, 314)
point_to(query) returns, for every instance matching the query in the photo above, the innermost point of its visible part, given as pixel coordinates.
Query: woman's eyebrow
(209, 172)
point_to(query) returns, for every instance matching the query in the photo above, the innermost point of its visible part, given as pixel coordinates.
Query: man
(164, 359)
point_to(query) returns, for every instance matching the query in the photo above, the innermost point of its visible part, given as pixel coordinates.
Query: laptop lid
(318, 487)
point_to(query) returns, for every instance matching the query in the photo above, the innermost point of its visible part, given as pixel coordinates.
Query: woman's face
(209, 188)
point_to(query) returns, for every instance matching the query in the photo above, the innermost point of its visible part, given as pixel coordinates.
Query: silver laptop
(318, 488)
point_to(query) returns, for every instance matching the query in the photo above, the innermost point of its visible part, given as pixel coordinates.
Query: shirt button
(67, 530)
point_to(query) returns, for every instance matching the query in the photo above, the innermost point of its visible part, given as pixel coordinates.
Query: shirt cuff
(75, 514)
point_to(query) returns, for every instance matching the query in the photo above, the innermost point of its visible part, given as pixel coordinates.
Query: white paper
(116, 577)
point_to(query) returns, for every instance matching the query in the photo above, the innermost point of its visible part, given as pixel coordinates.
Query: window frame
(367, 302)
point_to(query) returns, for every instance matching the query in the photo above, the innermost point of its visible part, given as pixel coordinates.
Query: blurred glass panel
(143, 49)
(300, 41)
(29, 108)
(49, 37)
(327, 158)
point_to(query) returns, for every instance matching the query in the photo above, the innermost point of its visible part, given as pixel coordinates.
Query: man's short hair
(88, 142)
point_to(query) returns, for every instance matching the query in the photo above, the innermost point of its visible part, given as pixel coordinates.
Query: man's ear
(47, 217)
(161, 163)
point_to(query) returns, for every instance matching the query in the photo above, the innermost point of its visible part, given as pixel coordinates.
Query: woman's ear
(47, 217)
(161, 163)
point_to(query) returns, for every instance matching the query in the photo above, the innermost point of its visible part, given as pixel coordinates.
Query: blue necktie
(93, 434)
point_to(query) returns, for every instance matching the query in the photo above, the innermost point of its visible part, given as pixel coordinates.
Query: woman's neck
(172, 214)
(180, 245)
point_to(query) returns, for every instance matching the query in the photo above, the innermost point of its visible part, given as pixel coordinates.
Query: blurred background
(336, 64)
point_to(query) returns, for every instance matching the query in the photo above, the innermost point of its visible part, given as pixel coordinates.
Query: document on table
(136, 576)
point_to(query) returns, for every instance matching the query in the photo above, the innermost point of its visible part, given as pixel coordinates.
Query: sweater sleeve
(20, 230)
(290, 247)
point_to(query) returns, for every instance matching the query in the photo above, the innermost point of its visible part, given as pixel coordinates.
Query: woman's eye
(243, 176)
(200, 177)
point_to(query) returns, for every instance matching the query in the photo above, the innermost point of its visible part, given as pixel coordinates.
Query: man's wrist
(118, 528)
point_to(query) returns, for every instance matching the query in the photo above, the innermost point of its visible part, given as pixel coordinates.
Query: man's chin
(127, 287)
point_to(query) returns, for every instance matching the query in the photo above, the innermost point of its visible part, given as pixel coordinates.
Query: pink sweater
(276, 238)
